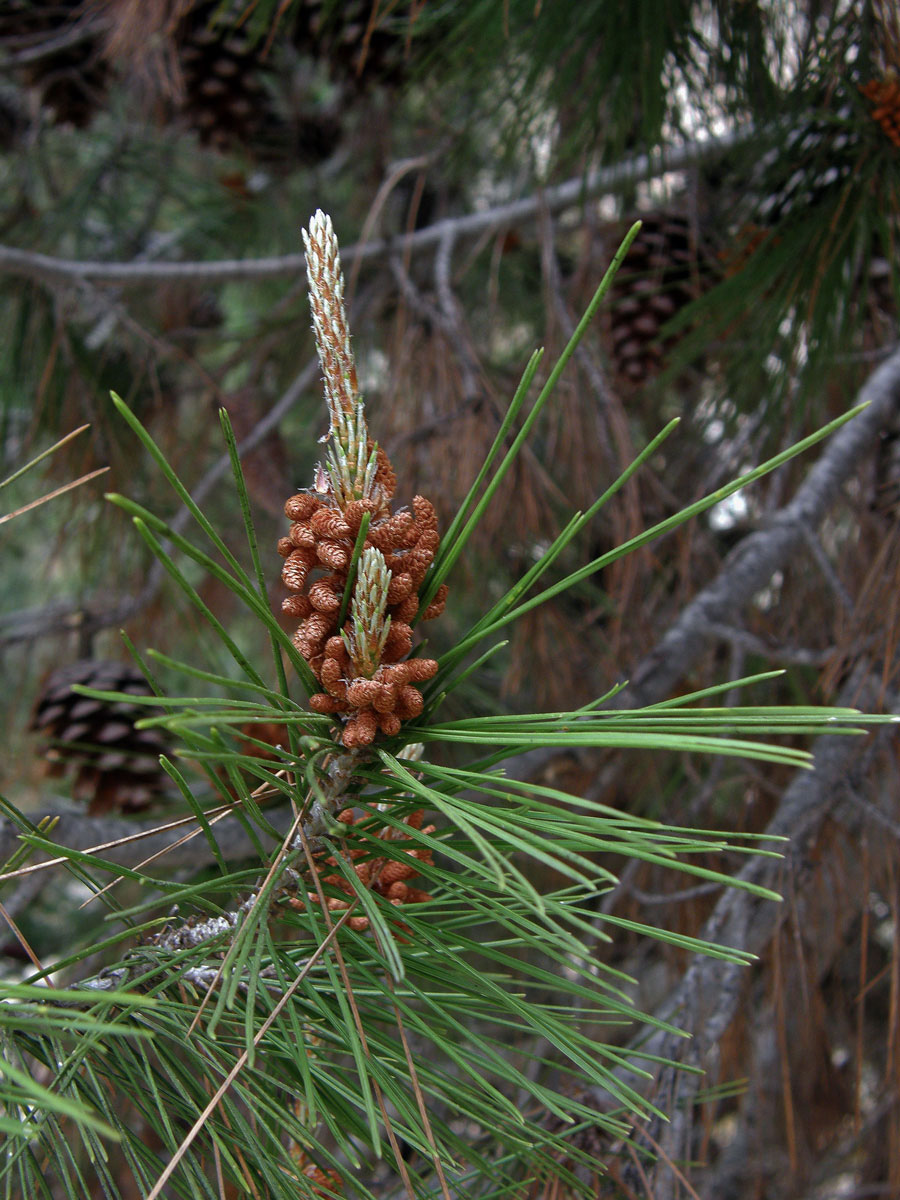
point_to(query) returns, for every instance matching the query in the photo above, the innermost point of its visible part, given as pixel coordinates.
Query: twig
(692, 893)
(397, 172)
(801, 656)
(301, 831)
(127, 842)
(354, 1008)
(71, 35)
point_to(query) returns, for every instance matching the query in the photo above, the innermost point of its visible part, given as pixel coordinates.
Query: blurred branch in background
(840, 821)
(605, 181)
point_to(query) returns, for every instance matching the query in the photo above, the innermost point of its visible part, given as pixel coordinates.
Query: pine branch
(53, 272)
(88, 29)
(710, 994)
(752, 563)
(746, 570)
(181, 845)
(484, 838)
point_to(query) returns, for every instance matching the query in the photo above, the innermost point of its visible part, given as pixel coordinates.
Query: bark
(823, 815)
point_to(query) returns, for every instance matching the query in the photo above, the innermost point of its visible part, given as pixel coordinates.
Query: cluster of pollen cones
(884, 94)
(387, 876)
(344, 530)
(318, 552)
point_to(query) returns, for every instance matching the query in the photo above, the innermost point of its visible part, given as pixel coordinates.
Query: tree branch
(746, 570)
(710, 992)
(128, 842)
(752, 563)
(53, 271)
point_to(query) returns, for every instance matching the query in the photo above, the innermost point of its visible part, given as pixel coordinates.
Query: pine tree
(481, 163)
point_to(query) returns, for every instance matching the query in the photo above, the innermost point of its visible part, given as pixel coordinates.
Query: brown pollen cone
(388, 877)
(359, 663)
(884, 94)
(318, 550)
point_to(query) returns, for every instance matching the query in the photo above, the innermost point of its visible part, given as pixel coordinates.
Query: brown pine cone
(115, 766)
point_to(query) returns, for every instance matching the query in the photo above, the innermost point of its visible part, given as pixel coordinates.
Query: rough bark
(823, 815)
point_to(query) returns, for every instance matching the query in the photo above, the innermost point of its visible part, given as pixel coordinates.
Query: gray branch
(140, 839)
(710, 992)
(605, 181)
(752, 563)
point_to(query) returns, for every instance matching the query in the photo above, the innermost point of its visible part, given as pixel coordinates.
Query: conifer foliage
(284, 1029)
(471, 751)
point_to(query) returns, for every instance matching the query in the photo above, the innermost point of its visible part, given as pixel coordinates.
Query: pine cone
(815, 161)
(222, 68)
(116, 766)
(664, 271)
(814, 168)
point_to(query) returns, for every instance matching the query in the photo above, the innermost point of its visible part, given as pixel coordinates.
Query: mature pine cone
(665, 270)
(222, 69)
(214, 58)
(60, 50)
(241, 87)
(116, 766)
(817, 157)
(811, 177)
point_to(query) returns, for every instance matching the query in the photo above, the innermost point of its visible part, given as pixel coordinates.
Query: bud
(369, 626)
(351, 464)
